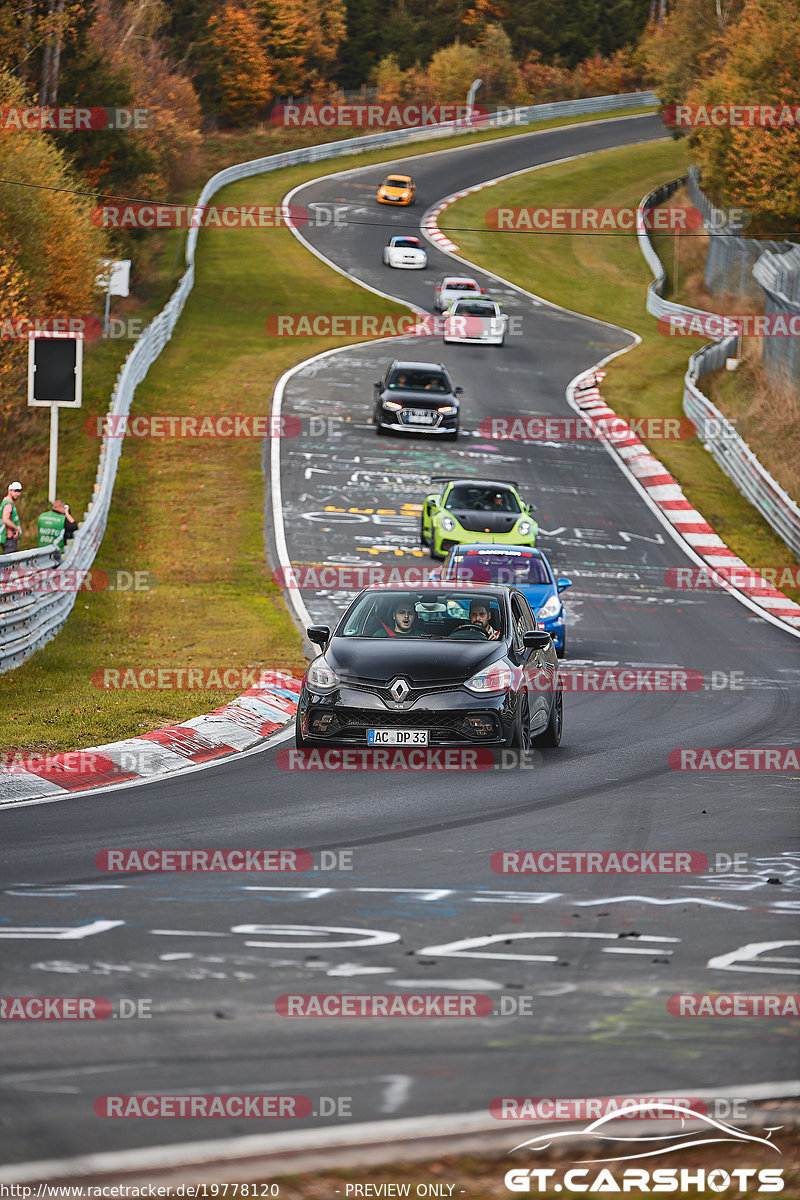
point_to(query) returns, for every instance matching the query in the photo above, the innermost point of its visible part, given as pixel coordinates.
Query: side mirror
(535, 639)
(378, 384)
(563, 583)
(319, 634)
(459, 391)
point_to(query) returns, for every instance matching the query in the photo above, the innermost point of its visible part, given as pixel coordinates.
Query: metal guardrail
(24, 628)
(719, 437)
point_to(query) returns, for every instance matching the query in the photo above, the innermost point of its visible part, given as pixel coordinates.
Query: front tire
(563, 649)
(521, 737)
(299, 741)
(552, 734)
(423, 541)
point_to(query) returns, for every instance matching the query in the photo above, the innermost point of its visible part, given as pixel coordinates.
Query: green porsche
(475, 510)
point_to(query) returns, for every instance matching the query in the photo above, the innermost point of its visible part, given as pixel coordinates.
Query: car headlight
(392, 405)
(499, 677)
(321, 677)
(446, 409)
(550, 608)
(447, 524)
(524, 528)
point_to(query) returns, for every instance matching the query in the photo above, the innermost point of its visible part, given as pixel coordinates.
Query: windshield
(392, 182)
(461, 285)
(474, 308)
(482, 498)
(513, 567)
(454, 614)
(419, 381)
(409, 242)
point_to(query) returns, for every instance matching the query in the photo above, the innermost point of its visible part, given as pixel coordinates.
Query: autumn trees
(737, 52)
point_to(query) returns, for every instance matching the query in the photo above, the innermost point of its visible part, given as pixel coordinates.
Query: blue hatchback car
(525, 568)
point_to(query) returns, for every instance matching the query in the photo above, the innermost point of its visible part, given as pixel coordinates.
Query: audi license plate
(419, 416)
(397, 737)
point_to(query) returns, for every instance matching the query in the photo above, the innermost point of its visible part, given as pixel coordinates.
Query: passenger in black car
(404, 619)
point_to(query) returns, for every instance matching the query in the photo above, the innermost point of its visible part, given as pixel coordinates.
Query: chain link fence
(718, 435)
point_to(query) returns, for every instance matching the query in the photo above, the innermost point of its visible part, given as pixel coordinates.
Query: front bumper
(417, 265)
(446, 423)
(488, 340)
(452, 717)
(446, 539)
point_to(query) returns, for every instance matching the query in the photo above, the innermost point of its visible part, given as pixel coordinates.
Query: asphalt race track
(420, 908)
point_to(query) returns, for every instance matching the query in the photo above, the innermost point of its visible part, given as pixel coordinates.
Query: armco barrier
(729, 450)
(25, 628)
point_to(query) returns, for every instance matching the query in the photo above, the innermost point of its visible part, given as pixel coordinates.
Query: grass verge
(605, 276)
(189, 513)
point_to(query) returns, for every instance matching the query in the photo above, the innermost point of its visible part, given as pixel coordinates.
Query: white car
(405, 252)
(478, 320)
(453, 287)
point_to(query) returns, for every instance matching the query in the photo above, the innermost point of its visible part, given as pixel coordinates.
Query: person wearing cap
(10, 528)
(57, 525)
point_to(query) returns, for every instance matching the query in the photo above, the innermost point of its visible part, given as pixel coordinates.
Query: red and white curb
(668, 496)
(240, 725)
(430, 222)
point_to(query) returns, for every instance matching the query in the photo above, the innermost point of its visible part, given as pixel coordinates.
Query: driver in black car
(404, 620)
(479, 615)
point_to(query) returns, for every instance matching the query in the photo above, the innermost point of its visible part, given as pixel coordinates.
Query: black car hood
(380, 660)
(485, 522)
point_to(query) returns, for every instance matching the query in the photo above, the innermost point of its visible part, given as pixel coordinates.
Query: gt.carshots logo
(694, 1126)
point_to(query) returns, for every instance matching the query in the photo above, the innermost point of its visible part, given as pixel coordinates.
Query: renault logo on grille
(399, 689)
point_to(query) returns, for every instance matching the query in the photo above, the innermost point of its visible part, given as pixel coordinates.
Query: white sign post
(115, 279)
(55, 380)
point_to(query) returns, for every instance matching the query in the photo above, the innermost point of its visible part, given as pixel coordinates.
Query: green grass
(189, 513)
(605, 276)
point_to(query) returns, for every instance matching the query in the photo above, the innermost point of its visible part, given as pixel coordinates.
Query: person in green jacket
(10, 528)
(56, 526)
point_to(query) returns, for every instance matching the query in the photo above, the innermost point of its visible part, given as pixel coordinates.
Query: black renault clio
(434, 666)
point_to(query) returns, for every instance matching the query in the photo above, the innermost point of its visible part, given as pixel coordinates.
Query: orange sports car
(397, 189)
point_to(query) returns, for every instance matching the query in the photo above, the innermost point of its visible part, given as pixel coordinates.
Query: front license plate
(420, 416)
(397, 737)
